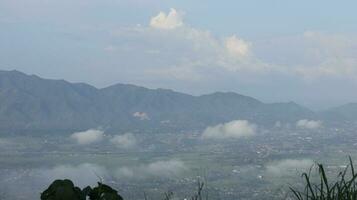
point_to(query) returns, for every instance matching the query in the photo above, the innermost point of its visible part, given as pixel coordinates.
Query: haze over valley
(178, 100)
(154, 140)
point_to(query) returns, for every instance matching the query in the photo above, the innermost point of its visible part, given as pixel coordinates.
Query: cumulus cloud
(170, 21)
(190, 56)
(88, 137)
(141, 115)
(187, 54)
(237, 47)
(308, 124)
(289, 166)
(233, 129)
(125, 141)
(162, 169)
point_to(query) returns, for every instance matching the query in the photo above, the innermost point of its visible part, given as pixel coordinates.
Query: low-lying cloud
(82, 175)
(33, 181)
(5, 143)
(234, 129)
(141, 115)
(162, 169)
(36, 180)
(88, 137)
(309, 124)
(289, 166)
(88, 173)
(126, 141)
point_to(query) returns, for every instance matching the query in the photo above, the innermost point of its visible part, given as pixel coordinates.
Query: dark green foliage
(168, 195)
(65, 190)
(197, 196)
(102, 192)
(342, 189)
(62, 190)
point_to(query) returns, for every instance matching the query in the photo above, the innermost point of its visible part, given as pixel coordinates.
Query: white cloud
(162, 169)
(125, 141)
(35, 180)
(277, 124)
(233, 129)
(289, 167)
(237, 47)
(198, 53)
(190, 56)
(141, 115)
(309, 124)
(5, 142)
(127, 172)
(172, 20)
(315, 55)
(166, 168)
(83, 174)
(331, 67)
(187, 56)
(188, 53)
(88, 137)
(110, 48)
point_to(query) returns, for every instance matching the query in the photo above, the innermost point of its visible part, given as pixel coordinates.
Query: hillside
(344, 113)
(28, 102)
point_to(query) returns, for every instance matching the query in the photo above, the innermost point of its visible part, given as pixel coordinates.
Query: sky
(276, 50)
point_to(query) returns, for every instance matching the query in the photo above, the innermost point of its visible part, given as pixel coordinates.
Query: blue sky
(303, 51)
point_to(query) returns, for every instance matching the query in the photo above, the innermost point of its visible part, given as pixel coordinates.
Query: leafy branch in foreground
(345, 188)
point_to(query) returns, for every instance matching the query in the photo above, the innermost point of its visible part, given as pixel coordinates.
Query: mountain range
(28, 102)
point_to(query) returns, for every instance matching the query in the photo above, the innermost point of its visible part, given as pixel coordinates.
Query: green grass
(344, 188)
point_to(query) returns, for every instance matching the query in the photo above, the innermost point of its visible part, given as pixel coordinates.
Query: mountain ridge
(29, 102)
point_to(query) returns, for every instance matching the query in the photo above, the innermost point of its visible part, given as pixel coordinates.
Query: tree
(65, 190)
